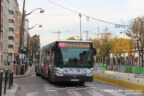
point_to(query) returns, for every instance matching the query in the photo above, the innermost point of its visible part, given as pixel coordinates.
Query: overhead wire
(74, 11)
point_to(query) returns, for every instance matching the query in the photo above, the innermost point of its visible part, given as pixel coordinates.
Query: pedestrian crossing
(50, 90)
(32, 94)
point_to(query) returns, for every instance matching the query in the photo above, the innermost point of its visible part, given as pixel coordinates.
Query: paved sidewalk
(14, 91)
(27, 72)
(125, 80)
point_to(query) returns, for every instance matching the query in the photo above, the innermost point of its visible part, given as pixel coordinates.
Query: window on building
(11, 21)
(11, 38)
(11, 12)
(10, 46)
(11, 29)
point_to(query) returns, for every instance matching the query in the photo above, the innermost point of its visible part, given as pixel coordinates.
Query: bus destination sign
(80, 45)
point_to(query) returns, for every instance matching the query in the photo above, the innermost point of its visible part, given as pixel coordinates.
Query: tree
(136, 33)
(34, 44)
(122, 46)
(105, 48)
(71, 38)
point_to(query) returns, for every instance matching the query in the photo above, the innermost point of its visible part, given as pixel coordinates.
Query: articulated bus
(67, 61)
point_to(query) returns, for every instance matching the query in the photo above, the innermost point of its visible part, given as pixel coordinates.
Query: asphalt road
(33, 85)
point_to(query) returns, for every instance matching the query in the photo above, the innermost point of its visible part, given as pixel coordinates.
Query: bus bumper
(73, 78)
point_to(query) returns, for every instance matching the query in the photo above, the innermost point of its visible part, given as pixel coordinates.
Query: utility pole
(87, 34)
(21, 48)
(58, 34)
(80, 27)
(22, 27)
(98, 31)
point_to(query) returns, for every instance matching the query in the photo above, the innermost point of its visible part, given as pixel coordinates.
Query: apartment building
(26, 34)
(10, 22)
(4, 5)
(17, 31)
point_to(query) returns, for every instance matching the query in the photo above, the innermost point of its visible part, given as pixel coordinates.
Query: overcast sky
(58, 19)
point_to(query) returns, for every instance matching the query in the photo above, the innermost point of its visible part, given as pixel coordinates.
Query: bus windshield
(74, 57)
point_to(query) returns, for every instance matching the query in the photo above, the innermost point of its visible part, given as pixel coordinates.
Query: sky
(57, 19)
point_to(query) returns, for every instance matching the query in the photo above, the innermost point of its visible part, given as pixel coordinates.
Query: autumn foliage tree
(136, 32)
(71, 38)
(122, 46)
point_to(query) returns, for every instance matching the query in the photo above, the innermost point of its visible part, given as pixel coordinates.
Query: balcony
(11, 34)
(11, 42)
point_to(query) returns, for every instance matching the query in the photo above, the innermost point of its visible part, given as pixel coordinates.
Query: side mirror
(94, 51)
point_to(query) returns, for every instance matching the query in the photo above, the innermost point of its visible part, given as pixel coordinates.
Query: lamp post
(21, 48)
(28, 38)
(35, 26)
(80, 27)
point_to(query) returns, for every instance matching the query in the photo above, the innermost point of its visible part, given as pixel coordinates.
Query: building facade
(10, 18)
(26, 34)
(4, 32)
(17, 32)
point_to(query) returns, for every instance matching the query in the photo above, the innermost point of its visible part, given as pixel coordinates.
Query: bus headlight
(89, 72)
(58, 72)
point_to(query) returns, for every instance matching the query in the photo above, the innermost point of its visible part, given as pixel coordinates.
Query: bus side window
(48, 57)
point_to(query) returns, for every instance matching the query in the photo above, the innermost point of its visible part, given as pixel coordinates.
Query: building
(4, 18)
(10, 28)
(26, 34)
(17, 31)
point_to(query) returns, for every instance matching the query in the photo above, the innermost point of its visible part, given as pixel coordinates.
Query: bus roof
(51, 44)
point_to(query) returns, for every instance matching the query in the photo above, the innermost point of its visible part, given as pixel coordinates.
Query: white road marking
(74, 93)
(49, 87)
(32, 94)
(61, 89)
(51, 90)
(114, 92)
(94, 93)
(33, 75)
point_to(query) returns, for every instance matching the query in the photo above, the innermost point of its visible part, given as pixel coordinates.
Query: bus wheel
(81, 82)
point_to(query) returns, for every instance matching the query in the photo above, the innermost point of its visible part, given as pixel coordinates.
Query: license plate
(74, 71)
(74, 80)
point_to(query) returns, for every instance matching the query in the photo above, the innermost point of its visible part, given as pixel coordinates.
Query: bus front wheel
(81, 82)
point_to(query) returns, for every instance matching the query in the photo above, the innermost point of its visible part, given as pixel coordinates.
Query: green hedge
(128, 69)
(139, 70)
(136, 70)
(103, 67)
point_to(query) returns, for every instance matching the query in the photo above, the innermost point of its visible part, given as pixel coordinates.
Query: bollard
(10, 80)
(1, 78)
(6, 77)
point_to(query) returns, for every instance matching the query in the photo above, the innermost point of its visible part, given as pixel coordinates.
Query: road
(33, 85)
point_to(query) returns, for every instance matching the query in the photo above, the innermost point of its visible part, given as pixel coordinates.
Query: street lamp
(80, 26)
(34, 26)
(21, 48)
(41, 11)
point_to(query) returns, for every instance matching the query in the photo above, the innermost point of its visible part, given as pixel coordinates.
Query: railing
(127, 69)
(6, 80)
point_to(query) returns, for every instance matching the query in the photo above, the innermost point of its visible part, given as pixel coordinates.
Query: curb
(19, 76)
(120, 83)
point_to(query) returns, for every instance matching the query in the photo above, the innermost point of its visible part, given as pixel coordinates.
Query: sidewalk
(124, 80)
(27, 72)
(14, 91)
